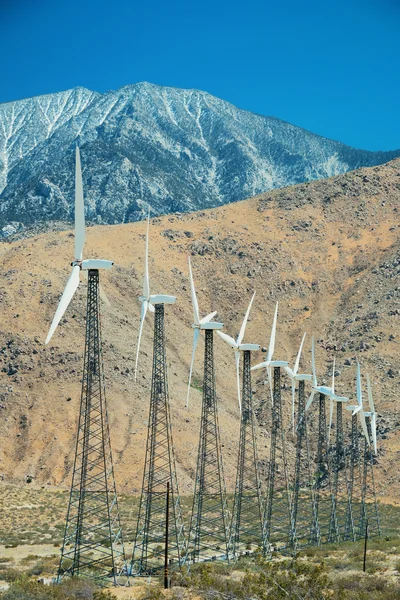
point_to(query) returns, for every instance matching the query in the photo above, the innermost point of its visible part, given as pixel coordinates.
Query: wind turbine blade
(79, 208)
(246, 317)
(333, 376)
(259, 366)
(313, 362)
(293, 402)
(196, 317)
(359, 391)
(271, 347)
(208, 318)
(330, 420)
(310, 399)
(271, 388)
(146, 284)
(103, 296)
(228, 339)
(364, 427)
(196, 333)
(237, 359)
(356, 410)
(142, 318)
(151, 308)
(296, 365)
(70, 289)
(373, 430)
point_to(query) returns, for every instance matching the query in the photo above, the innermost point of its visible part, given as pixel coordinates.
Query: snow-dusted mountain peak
(143, 143)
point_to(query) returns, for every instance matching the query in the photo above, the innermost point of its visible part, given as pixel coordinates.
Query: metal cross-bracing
(247, 518)
(278, 525)
(304, 517)
(208, 534)
(159, 469)
(369, 505)
(324, 502)
(93, 545)
(354, 517)
(342, 509)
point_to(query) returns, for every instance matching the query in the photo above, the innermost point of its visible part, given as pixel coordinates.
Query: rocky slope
(327, 250)
(177, 150)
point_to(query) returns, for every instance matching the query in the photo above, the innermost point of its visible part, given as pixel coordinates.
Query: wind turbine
(148, 300)
(355, 473)
(159, 467)
(238, 346)
(278, 524)
(93, 502)
(327, 528)
(370, 509)
(199, 324)
(294, 377)
(305, 527)
(208, 533)
(247, 517)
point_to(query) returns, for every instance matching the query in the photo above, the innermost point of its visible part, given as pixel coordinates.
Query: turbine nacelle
(302, 377)
(158, 299)
(92, 264)
(211, 325)
(251, 347)
(278, 363)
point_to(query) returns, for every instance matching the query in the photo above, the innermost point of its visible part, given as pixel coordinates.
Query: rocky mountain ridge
(327, 250)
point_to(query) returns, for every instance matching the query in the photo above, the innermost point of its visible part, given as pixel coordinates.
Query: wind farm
(285, 399)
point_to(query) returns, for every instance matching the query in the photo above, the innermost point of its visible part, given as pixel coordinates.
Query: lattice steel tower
(342, 509)
(247, 532)
(304, 516)
(93, 544)
(324, 501)
(278, 525)
(208, 534)
(159, 469)
(354, 516)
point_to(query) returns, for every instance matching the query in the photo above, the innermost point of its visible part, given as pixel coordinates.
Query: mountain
(327, 250)
(178, 150)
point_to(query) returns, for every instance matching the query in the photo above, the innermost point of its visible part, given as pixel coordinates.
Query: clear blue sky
(330, 67)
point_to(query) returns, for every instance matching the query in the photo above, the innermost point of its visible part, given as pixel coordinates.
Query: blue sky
(330, 67)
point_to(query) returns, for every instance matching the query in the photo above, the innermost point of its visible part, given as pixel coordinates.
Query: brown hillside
(328, 251)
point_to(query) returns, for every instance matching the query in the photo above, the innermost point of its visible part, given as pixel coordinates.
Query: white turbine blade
(330, 420)
(228, 339)
(70, 289)
(333, 376)
(373, 430)
(151, 308)
(364, 426)
(146, 284)
(145, 306)
(271, 347)
(196, 316)
(356, 410)
(310, 400)
(262, 365)
(359, 391)
(103, 296)
(79, 208)
(296, 365)
(293, 401)
(246, 317)
(196, 333)
(313, 362)
(208, 318)
(289, 372)
(271, 388)
(370, 399)
(237, 360)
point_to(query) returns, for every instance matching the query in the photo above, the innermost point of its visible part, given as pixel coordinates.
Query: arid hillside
(328, 251)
